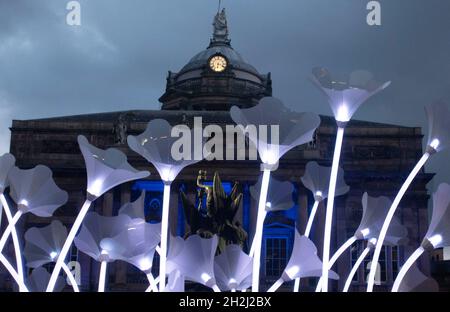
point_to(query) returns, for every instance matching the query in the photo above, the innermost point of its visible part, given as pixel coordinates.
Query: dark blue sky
(119, 57)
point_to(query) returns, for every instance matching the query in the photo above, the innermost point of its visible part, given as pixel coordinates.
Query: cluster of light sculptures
(128, 237)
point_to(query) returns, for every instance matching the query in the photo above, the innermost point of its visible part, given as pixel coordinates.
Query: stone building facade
(376, 158)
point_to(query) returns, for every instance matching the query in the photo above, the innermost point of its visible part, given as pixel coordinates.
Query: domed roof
(233, 58)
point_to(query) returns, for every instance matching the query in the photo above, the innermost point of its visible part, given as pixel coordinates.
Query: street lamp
(344, 98)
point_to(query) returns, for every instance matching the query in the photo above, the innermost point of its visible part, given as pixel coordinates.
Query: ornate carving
(220, 27)
(216, 217)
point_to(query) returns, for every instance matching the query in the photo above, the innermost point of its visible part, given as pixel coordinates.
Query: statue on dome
(220, 27)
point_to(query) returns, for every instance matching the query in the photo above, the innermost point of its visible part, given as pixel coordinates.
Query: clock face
(218, 63)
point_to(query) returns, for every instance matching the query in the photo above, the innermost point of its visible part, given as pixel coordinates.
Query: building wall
(376, 158)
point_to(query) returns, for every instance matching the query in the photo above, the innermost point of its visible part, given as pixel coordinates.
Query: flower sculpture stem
(416, 254)
(307, 232)
(355, 268)
(389, 217)
(15, 276)
(336, 256)
(276, 285)
(153, 285)
(71, 278)
(67, 244)
(330, 206)
(102, 276)
(257, 240)
(164, 237)
(11, 229)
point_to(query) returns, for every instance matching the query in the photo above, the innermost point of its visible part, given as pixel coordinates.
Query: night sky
(119, 57)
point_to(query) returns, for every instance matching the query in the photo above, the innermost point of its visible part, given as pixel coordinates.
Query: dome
(217, 78)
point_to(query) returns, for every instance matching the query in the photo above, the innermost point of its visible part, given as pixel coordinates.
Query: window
(395, 265)
(381, 274)
(276, 256)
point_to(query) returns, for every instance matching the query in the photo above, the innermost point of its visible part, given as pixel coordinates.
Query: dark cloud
(119, 57)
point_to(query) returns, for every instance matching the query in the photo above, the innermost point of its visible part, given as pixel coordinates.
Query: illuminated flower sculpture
(344, 98)
(316, 180)
(7, 162)
(136, 245)
(287, 130)
(304, 262)
(374, 211)
(94, 240)
(438, 234)
(233, 269)
(34, 191)
(175, 277)
(416, 281)
(438, 138)
(195, 260)
(105, 169)
(39, 278)
(156, 145)
(135, 210)
(42, 246)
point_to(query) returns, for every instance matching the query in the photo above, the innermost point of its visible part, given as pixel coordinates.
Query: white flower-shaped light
(95, 230)
(304, 262)
(438, 125)
(287, 130)
(438, 234)
(294, 128)
(346, 97)
(416, 281)
(196, 260)
(35, 191)
(155, 145)
(233, 269)
(7, 162)
(438, 138)
(175, 282)
(316, 179)
(94, 240)
(374, 212)
(39, 278)
(42, 245)
(279, 194)
(106, 168)
(135, 210)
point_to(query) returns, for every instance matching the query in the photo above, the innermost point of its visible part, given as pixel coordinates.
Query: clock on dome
(218, 63)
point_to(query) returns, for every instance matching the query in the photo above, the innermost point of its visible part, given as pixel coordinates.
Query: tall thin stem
(276, 285)
(153, 286)
(330, 207)
(70, 277)
(336, 256)
(257, 239)
(67, 244)
(15, 276)
(307, 232)
(405, 268)
(102, 276)
(358, 262)
(11, 229)
(390, 215)
(164, 237)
